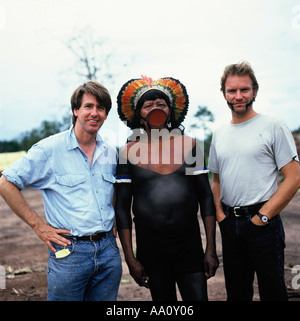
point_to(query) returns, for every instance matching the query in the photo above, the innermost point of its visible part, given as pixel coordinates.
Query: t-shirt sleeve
(284, 146)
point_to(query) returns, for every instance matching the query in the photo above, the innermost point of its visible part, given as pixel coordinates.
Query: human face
(239, 93)
(90, 115)
(149, 105)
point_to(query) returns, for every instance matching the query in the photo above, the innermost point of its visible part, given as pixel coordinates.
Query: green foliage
(29, 138)
(47, 128)
(9, 146)
(95, 59)
(297, 131)
(204, 116)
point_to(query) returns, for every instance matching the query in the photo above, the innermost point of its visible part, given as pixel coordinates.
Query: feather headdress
(133, 90)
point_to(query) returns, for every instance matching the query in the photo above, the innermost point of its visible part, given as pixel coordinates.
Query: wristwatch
(263, 218)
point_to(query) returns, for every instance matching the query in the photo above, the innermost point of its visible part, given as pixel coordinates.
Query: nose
(238, 95)
(94, 111)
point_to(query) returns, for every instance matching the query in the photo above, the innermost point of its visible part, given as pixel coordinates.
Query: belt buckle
(91, 238)
(234, 211)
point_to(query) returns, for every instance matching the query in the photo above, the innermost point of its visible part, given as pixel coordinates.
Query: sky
(190, 40)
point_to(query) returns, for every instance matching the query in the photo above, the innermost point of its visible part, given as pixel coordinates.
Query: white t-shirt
(247, 157)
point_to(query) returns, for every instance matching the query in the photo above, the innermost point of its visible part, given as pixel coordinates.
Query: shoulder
(123, 152)
(268, 119)
(53, 140)
(50, 144)
(272, 123)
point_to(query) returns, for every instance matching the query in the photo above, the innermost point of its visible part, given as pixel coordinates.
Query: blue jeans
(91, 272)
(248, 248)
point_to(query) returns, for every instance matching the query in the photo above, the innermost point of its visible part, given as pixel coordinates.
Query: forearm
(136, 269)
(285, 191)
(280, 199)
(210, 232)
(126, 241)
(211, 261)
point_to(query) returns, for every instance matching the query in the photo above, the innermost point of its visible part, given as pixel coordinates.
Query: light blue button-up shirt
(77, 196)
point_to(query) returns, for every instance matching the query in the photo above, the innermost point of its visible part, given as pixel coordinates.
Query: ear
(75, 112)
(255, 92)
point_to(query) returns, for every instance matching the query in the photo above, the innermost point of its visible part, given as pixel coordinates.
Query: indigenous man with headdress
(161, 179)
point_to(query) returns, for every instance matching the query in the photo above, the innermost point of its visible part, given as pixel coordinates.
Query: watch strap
(263, 218)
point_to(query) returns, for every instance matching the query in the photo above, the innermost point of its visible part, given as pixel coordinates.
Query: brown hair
(241, 69)
(93, 88)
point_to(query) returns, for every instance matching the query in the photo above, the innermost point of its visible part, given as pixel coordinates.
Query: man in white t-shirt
(245, 157)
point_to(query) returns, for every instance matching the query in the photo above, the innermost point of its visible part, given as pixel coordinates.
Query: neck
(84, 138)
(240, 118)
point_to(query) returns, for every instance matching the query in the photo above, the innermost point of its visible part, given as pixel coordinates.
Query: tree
(297, 131)
(47, 128)
(9, 146)
(95, 60)
(95, 56)
(204, 116)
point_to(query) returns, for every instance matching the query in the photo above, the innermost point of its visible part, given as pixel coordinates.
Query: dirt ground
(24, 258)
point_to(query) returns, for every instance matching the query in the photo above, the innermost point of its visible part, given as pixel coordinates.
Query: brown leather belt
(92, 238)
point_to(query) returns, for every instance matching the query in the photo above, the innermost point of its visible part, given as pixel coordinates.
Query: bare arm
(124, 224)
(135, 267)
(284, 193)
(216, 193)
(19, 206)
(208, 213)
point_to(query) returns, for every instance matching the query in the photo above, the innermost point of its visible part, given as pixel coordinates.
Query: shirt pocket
(108, 177)
(70, 180)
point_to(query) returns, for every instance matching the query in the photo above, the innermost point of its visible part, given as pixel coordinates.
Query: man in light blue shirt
(75, 172)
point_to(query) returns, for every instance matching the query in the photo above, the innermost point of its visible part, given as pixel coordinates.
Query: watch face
(264, 219)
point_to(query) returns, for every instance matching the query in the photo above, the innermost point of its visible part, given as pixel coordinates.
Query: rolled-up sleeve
(31, 170)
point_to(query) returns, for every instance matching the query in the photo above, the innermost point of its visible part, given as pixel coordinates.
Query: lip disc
(156, 117)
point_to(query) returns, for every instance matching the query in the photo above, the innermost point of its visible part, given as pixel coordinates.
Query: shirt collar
(72, 142)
